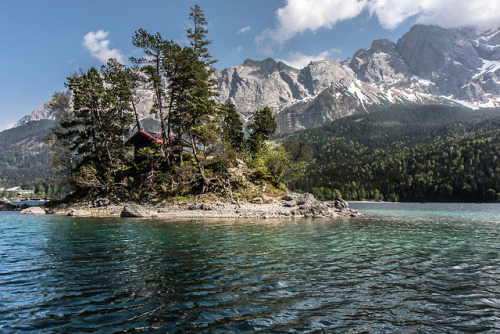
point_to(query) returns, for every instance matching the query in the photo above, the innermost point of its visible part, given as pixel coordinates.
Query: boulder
(305, 199)
(135, 210)
(294, 199)
(257, 200)
(205, 207)
(341, 204)
(33, 210)
(102, 202)
(289, 204)
(78, 213)
(6, 205)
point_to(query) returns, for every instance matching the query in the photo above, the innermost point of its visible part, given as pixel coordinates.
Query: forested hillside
(409, 153)
(24, 158)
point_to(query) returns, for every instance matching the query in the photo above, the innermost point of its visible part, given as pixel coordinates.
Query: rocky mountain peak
(380, 64)
(430, 51)
(428, 64)
(267, 66)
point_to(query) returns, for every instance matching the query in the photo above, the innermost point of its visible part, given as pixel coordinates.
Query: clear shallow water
(401, 269)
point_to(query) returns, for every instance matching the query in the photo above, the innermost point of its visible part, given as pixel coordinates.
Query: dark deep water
(408, 268)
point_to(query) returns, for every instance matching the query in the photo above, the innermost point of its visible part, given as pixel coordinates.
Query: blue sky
(43, 42)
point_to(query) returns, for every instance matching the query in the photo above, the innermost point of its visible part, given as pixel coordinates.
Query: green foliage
(232, 127)
(411, 153)
(274, 163)
(262, 128)
(24, 158)
(100, 119)
(197, 35)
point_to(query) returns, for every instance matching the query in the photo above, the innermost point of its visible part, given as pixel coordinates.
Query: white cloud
(240, 48)
(481, 14)
(99, 47)
(244, 30)
(299, 60)
(299, 16)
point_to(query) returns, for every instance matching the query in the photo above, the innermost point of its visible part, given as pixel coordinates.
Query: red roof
(153, 136)
(144, 136)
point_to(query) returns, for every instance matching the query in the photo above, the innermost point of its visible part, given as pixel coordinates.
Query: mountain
(24, 158)
(427, 65)
(460, 64)
(42, 112)
(317, 94)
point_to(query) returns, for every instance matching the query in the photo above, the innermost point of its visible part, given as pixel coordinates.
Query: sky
(44, 42)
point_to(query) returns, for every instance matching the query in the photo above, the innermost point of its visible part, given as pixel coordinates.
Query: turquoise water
(431, 268)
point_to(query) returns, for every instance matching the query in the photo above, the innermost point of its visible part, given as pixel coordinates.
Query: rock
(205, 207)
(6, 205)
(289, 197)
(135, 210)
(33, 210)
(305, 199)
(341, 204)
(102, 202)
(306, 207)
(78, 213)
(289, 204)
(257, 200)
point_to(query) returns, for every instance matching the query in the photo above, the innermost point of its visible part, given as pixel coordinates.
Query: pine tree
(60, 138)
(196, 110)
(118, 116)
(101, 119)
(197, 35)
(153, 47)
(262, 128)
(232, 127)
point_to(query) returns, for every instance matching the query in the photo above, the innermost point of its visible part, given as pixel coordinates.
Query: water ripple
(376, 275)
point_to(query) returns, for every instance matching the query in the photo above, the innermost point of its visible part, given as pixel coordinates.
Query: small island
(204, 161)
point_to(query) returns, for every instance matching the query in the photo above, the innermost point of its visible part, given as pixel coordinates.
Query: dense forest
(25, 159)
(406, 153)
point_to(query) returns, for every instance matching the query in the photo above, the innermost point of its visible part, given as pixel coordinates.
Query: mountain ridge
(428, 64)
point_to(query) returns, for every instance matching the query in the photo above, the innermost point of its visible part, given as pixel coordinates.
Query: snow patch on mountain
(488, 66)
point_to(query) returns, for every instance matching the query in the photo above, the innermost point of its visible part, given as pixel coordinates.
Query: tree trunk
(201, 169)
(136, 116)
(160, 105)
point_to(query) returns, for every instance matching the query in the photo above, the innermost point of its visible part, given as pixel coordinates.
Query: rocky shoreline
(290, 205)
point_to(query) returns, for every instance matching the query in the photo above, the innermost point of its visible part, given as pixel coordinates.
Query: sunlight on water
(403, 268)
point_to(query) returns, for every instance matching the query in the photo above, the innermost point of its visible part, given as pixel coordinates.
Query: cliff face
(461, 64)
(428, 64)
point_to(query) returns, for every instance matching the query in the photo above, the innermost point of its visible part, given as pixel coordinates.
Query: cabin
(142, 139)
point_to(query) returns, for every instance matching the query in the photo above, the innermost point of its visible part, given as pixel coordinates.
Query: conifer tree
(118, 116)
(197, 35)
(232, 127)
(60, 138)
(153, 47)
(196, 109)
(101, 119)
(262, 128)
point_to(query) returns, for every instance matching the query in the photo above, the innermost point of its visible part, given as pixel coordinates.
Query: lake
(404, 268)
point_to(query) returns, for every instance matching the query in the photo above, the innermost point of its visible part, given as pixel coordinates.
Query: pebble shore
(291, 205)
